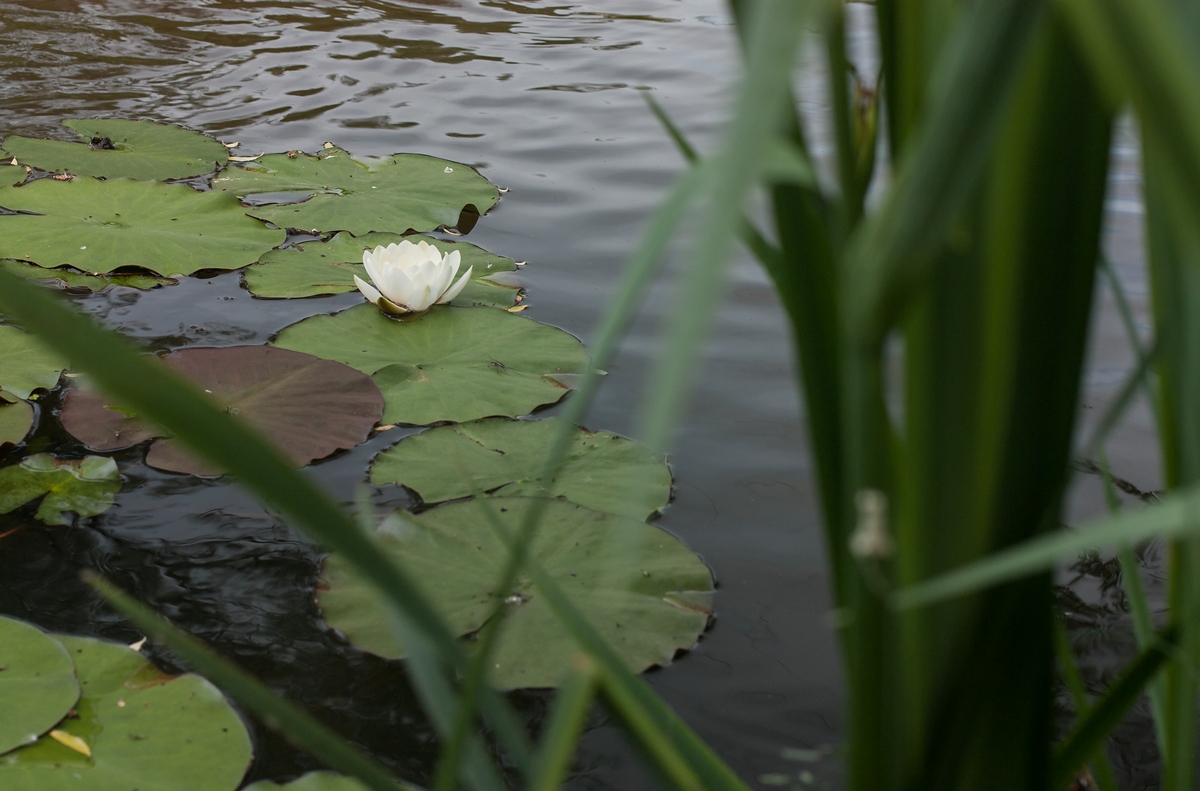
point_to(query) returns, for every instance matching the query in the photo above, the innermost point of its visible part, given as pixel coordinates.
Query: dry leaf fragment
(245, 159)
(516, 308)
(138, 645)
(72, 742)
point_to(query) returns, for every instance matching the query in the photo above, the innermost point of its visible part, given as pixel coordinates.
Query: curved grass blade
(1101, 767)
(1094, 727)
(1176, 516)
(297, 725)
(161, 397)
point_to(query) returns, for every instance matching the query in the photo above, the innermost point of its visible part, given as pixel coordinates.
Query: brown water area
(544, 98)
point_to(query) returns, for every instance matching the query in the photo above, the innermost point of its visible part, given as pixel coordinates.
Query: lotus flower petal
(370, 292)
(411, 277)
(456, 289)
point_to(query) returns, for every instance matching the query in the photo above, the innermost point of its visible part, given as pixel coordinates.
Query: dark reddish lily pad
(308, 406)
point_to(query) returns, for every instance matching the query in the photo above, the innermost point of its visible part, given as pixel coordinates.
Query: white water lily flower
(411, 278)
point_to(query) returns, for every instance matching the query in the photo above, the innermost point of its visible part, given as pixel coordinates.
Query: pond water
(544, 98)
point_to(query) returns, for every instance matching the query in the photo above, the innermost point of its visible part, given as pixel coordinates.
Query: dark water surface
(543, 97)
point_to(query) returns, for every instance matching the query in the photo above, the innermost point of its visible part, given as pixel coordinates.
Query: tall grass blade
(564, 727)
(758, 116)
(895, 247)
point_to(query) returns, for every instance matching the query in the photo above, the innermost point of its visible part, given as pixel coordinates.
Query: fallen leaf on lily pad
(448, 364)
(315, 268)
(98, 226)
(118, 148)
(601, 471)
(37, 686)
(309, 407)
(84, 486)
(145, 730)
(405, 192)
(71, 742)
(643, 591)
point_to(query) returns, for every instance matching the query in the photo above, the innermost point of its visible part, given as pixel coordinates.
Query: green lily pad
(116, 148)
(309, 407)
(11, 173)
(98, 226)
(313, 781)
(602, 471)
(25, 363)
(71, 279)
(37, 683)
(448, 364)
(645, 592)
(85, 486)
(145, 730)
(16, 418)
(405, 192)
(315, 268)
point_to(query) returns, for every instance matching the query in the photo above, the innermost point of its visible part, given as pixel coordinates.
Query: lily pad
(449, 364)
(315, 268)
(98, 226)
(85, 486)
(313, 781)
(307, 406)
(25, 363)
(645, 592)
(16, 418)
(37, 686)
(602, 471)
(405, 192)
(71, 279)
(117, 148)
(144, 730)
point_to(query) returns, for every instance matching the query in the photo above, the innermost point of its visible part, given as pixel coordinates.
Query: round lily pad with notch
(67, 278)
(26, 364)
(137, 728)
(405, 192)
(448, 364)
(37, 684)
(309, 407)
(316, 268)
(602, 471)
(119, 148)
(82, 486)
(16, 419)
(98, 226)
(646, 593)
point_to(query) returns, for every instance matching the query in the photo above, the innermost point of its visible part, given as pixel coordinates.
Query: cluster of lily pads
(140, 204)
